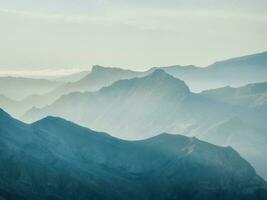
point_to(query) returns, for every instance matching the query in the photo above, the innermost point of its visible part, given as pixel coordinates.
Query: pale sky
(50, 35)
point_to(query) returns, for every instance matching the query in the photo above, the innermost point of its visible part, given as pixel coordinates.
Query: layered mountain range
(18, 88)
(51, 158)
(233, 72)
(57, 159)
(150, 104)
(143, 107)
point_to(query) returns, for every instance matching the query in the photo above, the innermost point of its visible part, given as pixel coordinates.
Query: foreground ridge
(57, 159)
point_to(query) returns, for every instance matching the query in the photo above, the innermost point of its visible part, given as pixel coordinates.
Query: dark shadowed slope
(56, 159)
(232, 72)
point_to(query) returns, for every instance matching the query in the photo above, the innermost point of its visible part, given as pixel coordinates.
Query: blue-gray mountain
(233, 72)
(91, 81)
(56, 159)
(151, 104)
(143, 107)
(252, 95)
(19, 88)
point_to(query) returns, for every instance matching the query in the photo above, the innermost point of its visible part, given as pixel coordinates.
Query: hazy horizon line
(51, 72)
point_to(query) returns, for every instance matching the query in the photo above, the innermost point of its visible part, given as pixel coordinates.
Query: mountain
(243, 136)
(94, 80)
(248, 139)
(255, 61)
(19, 88)
(233, 72)
(56, 159)
(252, 95)
(98, 78)
(152, 104)
(18, 107)
(144, 107)
(90, 81)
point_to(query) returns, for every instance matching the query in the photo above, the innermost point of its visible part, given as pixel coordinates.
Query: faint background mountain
(252, 95)
(94, 80)
(151, 104)
(232, 72)
(18, 88)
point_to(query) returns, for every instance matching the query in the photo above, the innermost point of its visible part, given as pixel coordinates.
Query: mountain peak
(159, 72)
(161, 76)
(97, 68)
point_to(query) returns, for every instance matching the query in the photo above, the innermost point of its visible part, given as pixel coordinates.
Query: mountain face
(232, 72)
(252, 95)
(249, 140)
(258, 61)
(17, 95)
(89, 81)
(98, 78)
(152, 104)
(146, 106)
(92, 81)
(19, 88)
(56, 159)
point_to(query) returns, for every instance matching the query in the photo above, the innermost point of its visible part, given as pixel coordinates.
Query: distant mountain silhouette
(18, 88)
(251, 95)
(56, 159)
(98, 78)
(152, 104)
(232, 72)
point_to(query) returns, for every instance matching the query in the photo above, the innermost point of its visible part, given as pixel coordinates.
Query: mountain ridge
(51, 157)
